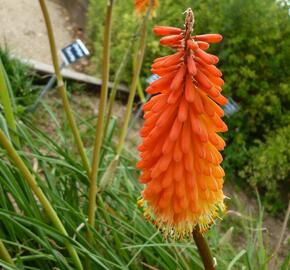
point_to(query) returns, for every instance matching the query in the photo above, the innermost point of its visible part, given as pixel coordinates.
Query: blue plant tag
(231, 107)
(73, 52)
(152, 78)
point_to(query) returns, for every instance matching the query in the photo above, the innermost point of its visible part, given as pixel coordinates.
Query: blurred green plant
(256, 65)
(7, 102)
(270, 160)
(22, 80)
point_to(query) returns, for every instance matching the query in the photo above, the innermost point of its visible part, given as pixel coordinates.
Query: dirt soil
(22, 28)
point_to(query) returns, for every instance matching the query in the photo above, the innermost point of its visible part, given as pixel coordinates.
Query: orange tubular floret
(207, 58)
(170, 40)
(180, 159)
(210, 38)
(191, 65)
(192, 45)
(202, 45)
(166, 30)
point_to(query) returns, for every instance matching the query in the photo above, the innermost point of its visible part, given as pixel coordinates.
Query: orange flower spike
(141, 6)
(180, 159)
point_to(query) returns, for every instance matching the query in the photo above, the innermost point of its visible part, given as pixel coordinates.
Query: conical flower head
(141, 6)
(180, 158)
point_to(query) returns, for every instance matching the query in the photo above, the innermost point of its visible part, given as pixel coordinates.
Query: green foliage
(255, 61)
(268, 168)
(21, 79)
(123, 239)
(124, 26)
(7, 100)
(125, 30)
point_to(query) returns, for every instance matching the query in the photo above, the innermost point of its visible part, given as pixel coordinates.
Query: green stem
(100, 122)
(4, 254)
(137, 69)
(40, 195)
(116, 83)
(140, 91)
(133, 87)
(62, 89)
(6, 102)
(203, 250)
(115, 235)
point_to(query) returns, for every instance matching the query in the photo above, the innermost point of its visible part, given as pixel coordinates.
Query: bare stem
(40, 195)
(4, 254)
(203, 249)
(133, 87)
(62, 89)
(117, 81)
(138, 60)
(100, 122)
(279, 243)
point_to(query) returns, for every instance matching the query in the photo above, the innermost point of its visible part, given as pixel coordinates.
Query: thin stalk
(140, 91)
(6, 102)
(117, 81)
(100, 122)
(280, 240)
(203, 250)
(4, 254)
(62, 89)
(110, 223)
(137, 69)
(139, 86)
(133, 87)
(40, 195)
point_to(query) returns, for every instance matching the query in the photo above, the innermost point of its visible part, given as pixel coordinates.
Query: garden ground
(23, 29)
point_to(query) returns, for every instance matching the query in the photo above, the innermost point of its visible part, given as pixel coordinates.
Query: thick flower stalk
(141, 6)
(180, 158)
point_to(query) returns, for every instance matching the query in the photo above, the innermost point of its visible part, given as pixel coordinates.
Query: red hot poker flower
(141, 6)
(180, 158)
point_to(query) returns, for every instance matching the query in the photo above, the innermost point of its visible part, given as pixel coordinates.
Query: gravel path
(22, 28)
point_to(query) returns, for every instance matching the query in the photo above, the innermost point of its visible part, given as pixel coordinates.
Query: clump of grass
(123, 239)
(22, 80)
